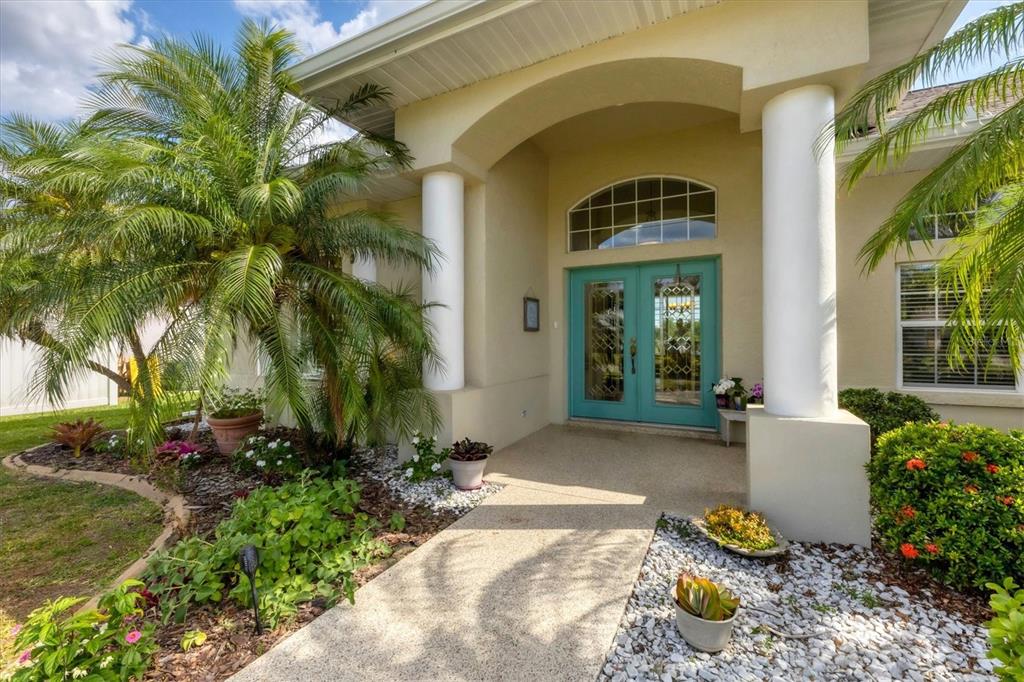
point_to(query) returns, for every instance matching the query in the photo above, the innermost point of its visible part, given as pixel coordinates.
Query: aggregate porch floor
(531, 584)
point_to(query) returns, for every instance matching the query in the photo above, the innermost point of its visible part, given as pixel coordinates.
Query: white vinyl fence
(17, 366)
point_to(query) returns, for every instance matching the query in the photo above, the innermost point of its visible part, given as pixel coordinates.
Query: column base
(807, 475)
(499, 415)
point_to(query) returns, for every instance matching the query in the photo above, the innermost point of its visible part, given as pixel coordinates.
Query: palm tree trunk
(43, 339)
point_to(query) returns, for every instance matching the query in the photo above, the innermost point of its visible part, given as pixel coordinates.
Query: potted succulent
(705, 612)
(467, 461)
(235, 416)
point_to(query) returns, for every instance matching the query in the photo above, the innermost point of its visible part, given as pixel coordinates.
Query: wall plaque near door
(531, 314)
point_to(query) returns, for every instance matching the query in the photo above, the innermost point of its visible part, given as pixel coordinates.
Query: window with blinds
(924, 338)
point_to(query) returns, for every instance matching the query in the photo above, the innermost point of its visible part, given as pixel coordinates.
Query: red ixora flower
(915, 463)
(970, 456)
(907, 512)
(908, 551)
(1007, 500)
(992, 469)
(931, 548)
(972, 489)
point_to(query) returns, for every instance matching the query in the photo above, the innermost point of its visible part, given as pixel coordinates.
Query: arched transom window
(648, 210)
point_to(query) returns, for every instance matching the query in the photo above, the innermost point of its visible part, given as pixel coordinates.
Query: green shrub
(1006, 630)
(885, 411)
(949, 498)
(109, 642)
(310, 539)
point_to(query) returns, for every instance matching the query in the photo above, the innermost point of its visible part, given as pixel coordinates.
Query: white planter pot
(468, 475)
(706, 635)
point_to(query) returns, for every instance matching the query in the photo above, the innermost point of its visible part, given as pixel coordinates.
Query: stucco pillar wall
(799, 254)
(443, 222)
(805, 457)
(365, 268)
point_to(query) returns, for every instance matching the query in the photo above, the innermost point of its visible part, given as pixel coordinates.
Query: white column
(799, 254)
(365, 268)
(443, 223)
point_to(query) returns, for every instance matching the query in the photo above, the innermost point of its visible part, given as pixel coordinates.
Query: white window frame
(974, 389)
(648, 176)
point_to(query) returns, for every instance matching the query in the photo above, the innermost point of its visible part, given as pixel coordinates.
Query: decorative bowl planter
(231, 431)
(468, 475)
(706, 635)
(781, 543)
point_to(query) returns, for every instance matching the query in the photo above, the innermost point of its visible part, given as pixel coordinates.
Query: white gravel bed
(438, 494)
(868, 630)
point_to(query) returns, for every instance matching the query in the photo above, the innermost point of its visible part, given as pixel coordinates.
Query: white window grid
(691, 188)
(937, 323)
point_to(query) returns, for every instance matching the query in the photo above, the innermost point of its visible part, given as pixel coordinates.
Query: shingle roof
(915, 100)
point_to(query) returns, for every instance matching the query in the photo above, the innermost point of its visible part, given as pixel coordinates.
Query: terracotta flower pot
(468, 475)
(706, 635)
(230, 432)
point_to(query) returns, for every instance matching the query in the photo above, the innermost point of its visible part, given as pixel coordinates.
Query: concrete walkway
(531, 584)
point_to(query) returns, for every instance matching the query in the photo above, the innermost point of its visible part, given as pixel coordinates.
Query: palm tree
(983, 269)
(207, 202)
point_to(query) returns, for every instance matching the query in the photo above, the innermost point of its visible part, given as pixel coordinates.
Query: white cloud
(49, 51)
(315, 33)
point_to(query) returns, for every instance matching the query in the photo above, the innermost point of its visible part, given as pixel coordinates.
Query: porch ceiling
(443, 46)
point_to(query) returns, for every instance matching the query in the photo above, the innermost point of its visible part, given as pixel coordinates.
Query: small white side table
(727, 417)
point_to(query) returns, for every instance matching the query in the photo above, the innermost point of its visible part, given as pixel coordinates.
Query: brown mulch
(969, 605)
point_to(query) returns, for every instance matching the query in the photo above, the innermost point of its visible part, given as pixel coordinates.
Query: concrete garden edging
(176, 513)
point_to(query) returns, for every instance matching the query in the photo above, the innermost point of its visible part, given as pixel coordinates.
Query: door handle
(632, 354)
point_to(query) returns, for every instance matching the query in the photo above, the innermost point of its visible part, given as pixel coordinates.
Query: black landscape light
(250, 560)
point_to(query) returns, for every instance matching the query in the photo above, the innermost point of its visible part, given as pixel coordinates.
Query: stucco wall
(716, 155)
(868, 309)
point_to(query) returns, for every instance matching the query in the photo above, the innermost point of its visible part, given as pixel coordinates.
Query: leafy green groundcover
(951, 497)
(310, 538)
(109, 642)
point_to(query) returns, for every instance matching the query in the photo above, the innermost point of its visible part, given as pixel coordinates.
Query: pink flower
(26, 656)
(15, 629)
(133, 636)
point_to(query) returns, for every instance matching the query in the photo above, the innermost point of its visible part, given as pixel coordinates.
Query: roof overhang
(442, 46)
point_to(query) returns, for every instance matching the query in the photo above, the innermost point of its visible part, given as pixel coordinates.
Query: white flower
(279, 462)
(415, 440)
(250, 454)
(272, 444)
(287, 443)
(288, 456)
(260, 463)
(105, 663)
(415, 458)
(78, 673)
(436, 466)
(408, 473)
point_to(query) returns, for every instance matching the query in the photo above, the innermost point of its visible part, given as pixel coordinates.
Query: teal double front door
(643, 342)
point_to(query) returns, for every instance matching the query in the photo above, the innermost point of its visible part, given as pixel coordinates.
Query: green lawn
(63, 538)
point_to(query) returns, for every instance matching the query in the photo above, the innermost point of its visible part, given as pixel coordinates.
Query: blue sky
(48, 48)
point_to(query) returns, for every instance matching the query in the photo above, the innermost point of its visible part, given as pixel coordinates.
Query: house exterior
(646, 172)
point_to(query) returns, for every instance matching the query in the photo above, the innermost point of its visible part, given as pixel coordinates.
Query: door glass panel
(677, 340)
(603, 360)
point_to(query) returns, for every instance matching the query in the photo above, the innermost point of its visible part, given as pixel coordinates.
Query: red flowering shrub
(947, 497)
